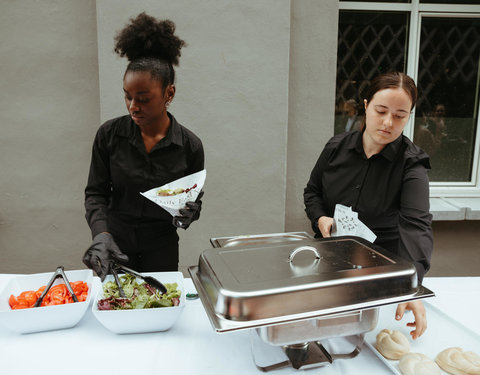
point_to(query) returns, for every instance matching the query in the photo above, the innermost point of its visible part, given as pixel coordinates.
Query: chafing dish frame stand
(304, 356)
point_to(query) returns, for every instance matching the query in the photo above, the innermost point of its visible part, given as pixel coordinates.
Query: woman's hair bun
(145, 36)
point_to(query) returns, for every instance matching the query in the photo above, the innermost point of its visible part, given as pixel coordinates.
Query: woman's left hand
(190, 213)
(420, 314)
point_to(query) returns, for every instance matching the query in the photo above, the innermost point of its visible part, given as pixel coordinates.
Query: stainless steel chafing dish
(295, 290)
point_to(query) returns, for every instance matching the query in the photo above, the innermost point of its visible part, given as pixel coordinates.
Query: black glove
(188, 214)
(101, 253)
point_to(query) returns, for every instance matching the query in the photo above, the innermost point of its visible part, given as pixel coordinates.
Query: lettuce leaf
(138, 295)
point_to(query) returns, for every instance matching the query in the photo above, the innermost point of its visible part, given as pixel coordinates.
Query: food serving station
(230, 331)
(297, 291)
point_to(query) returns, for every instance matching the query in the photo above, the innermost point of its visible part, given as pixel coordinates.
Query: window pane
(382, 1)
(368, 43)
(450, 1)
(447, 109)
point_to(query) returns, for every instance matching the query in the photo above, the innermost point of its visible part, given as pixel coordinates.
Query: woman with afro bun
(137, 152)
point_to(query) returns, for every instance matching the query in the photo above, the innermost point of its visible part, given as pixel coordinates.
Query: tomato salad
(57, 295)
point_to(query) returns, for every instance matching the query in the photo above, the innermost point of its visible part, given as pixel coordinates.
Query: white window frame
(417, 12)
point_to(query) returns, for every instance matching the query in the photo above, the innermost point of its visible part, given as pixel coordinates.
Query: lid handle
(303, 248)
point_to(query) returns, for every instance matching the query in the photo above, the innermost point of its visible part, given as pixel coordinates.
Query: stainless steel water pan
(259, 286)
(317, 329)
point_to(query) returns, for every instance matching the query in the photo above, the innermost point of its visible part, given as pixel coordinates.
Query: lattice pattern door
(368, 43)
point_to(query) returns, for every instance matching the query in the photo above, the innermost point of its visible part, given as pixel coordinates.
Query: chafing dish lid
(250, 283)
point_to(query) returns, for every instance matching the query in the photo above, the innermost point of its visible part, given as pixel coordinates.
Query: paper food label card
(172, 197)
(346, 223)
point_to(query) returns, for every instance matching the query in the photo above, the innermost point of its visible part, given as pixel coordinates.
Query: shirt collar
(392, 149)
(388, 152)
(355, 142)
(174, 133)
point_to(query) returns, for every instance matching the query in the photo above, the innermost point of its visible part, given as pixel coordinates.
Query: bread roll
(457, 362)
(418, 364)
(392, 344)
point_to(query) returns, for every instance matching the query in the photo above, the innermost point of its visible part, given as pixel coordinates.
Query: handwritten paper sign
(346, 223)
(172, 197)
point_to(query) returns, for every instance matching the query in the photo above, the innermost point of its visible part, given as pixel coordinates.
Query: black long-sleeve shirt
(390, 192)
(121, 168)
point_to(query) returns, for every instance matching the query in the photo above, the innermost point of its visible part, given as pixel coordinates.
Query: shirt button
(357, 187)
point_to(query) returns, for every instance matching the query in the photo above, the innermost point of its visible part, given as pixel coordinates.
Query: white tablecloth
(191, 346)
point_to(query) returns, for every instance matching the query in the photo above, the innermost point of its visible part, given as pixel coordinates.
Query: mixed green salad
(138, 295)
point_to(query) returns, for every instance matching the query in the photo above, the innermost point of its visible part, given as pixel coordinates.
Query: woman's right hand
(101, 253)
(325, 224)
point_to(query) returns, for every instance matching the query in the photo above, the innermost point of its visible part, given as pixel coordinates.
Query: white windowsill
(455, 208)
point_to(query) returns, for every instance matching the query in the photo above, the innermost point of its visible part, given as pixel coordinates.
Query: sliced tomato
(57, 295)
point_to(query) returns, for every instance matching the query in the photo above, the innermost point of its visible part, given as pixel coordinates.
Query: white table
(191, 346)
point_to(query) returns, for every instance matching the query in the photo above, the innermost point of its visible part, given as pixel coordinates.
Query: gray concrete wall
(313, 58)
(49, 113)
(256, 83)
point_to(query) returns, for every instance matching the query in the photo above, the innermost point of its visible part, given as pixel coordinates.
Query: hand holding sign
(346, 223)
(174, 196)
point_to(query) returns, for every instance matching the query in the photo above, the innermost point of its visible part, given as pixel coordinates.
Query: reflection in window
(368, 43)
(446, 115)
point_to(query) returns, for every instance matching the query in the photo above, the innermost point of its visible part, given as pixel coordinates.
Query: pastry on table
(392, 344)
(455, 361)
(418, 364)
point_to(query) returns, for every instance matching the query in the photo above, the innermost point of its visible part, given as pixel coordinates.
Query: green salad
(138, 295)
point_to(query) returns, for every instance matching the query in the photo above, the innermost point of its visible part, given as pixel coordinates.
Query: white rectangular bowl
(142, 320)
(44, 318)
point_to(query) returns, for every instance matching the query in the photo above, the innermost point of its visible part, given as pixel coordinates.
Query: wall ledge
(455, 208)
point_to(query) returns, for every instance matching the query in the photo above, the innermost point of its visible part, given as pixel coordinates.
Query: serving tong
(148, 279)
(58, 273)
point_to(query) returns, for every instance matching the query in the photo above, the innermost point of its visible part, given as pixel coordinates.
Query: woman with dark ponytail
(137, 152)
(381, 175)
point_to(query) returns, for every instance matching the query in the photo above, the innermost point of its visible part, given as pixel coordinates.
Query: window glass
(382, 1)
(450, 1)
(447, 109)
(368, 43)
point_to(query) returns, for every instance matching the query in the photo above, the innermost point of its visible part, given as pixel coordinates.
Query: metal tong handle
(118, 266)
(58, 273)
(157, 284)
(117, 281)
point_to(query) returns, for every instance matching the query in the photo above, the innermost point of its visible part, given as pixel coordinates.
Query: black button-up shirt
(121, 168)
(390, 192)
